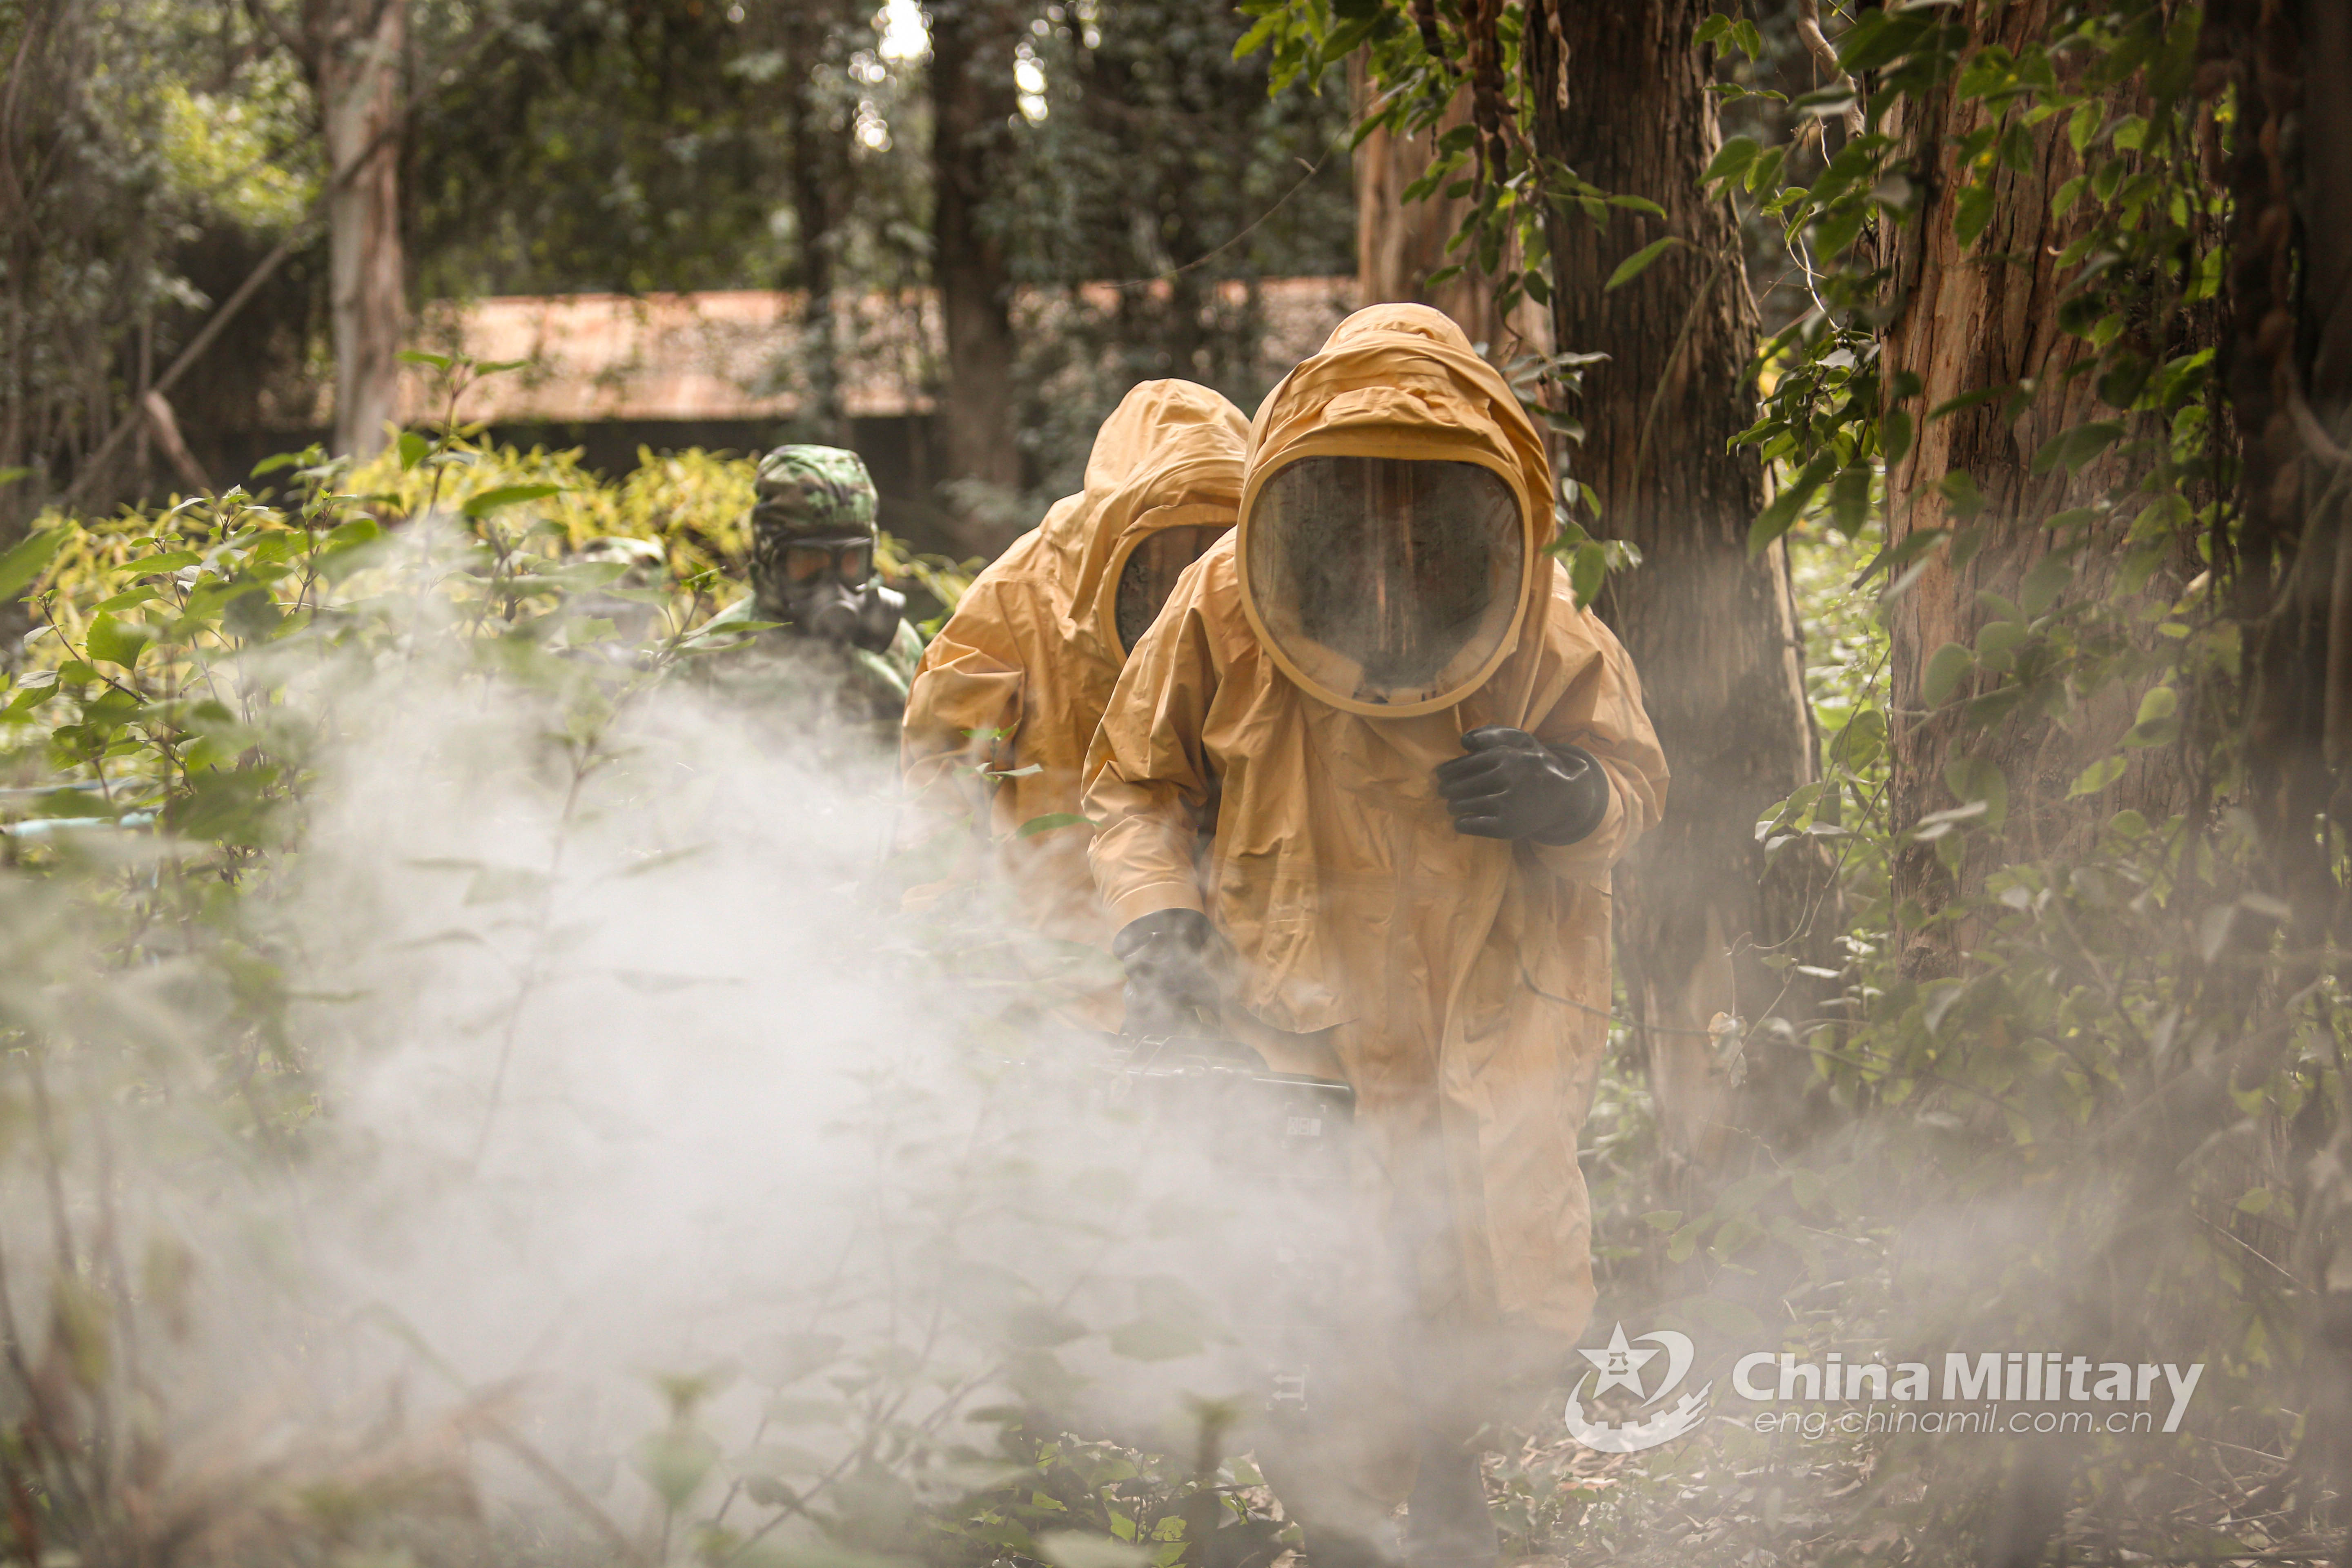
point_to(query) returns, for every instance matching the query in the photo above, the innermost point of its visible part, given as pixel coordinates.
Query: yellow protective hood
(1170, 456)
(1401, 382)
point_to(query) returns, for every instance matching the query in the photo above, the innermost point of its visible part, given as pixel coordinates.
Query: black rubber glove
(1508, 785)
(1167, 957)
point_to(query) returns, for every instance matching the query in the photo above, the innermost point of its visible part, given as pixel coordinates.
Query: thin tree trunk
(973, 100)
(820, 141)
(356, 57)
(1971, 320)
(1711, 630)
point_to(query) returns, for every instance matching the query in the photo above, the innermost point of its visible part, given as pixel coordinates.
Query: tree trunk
(973, 100)
(1621, 97)
(356, 51)
(1399, 244)
(2286, 364)
(1972, 320)
(2290, 178)
(820, 137)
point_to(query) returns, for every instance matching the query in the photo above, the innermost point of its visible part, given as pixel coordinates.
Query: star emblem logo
(1620, 1363)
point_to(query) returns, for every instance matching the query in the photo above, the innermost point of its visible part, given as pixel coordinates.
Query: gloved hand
(1508, 785)
(1167, 957)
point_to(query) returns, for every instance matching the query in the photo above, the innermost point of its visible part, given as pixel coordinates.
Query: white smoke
(653, 1164)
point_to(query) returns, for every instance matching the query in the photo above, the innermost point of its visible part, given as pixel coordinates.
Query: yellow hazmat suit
(1461, 983)
(1008, 694)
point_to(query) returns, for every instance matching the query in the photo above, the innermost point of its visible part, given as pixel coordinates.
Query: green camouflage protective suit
(813, 540)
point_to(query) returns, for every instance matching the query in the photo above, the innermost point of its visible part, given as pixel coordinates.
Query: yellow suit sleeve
(1601, 710)
(963, 711)
(1148, 783)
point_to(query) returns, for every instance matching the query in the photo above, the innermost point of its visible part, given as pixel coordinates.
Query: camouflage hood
(810, 492)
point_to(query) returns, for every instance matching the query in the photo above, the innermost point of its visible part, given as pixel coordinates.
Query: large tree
(1711, 625)
(820, 121)
(2287, 365)
(974, 103)
(1984, 360)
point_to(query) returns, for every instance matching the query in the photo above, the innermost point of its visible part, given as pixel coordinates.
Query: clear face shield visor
(1148, 575)
(1386, 582)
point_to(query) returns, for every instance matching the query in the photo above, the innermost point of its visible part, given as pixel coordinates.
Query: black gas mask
(825, 588)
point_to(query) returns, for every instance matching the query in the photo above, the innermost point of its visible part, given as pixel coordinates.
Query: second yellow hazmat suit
(1461, 984)
(1008, 694)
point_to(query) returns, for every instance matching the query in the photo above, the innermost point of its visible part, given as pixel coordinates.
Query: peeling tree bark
(1713, 631)
(1969, 321)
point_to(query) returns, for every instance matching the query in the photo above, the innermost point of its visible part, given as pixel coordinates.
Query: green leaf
(673, 1462)
(505, 884)
(1850, 501)
(1996, 646)
(736, 620)
(418, 356)
(2046, 582)
(1049, 822)
(1588, 569)
(117, 641)
(1895, 436)
(1966, 400)
(2077, 447)
(2084, 125)
(1973, 213)
(29, 558)
(1946, 667)
(1860, 742)
(1839, 228)
(1254, 39)
(1978, 780)
(1078, 1549)
(1878, 38)
(412, 447)
(1778, 518)
(1961, 498)
(1633, 265)
(1731, 160)
(1147, 1339)
(508, 495)
(2097, 777)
